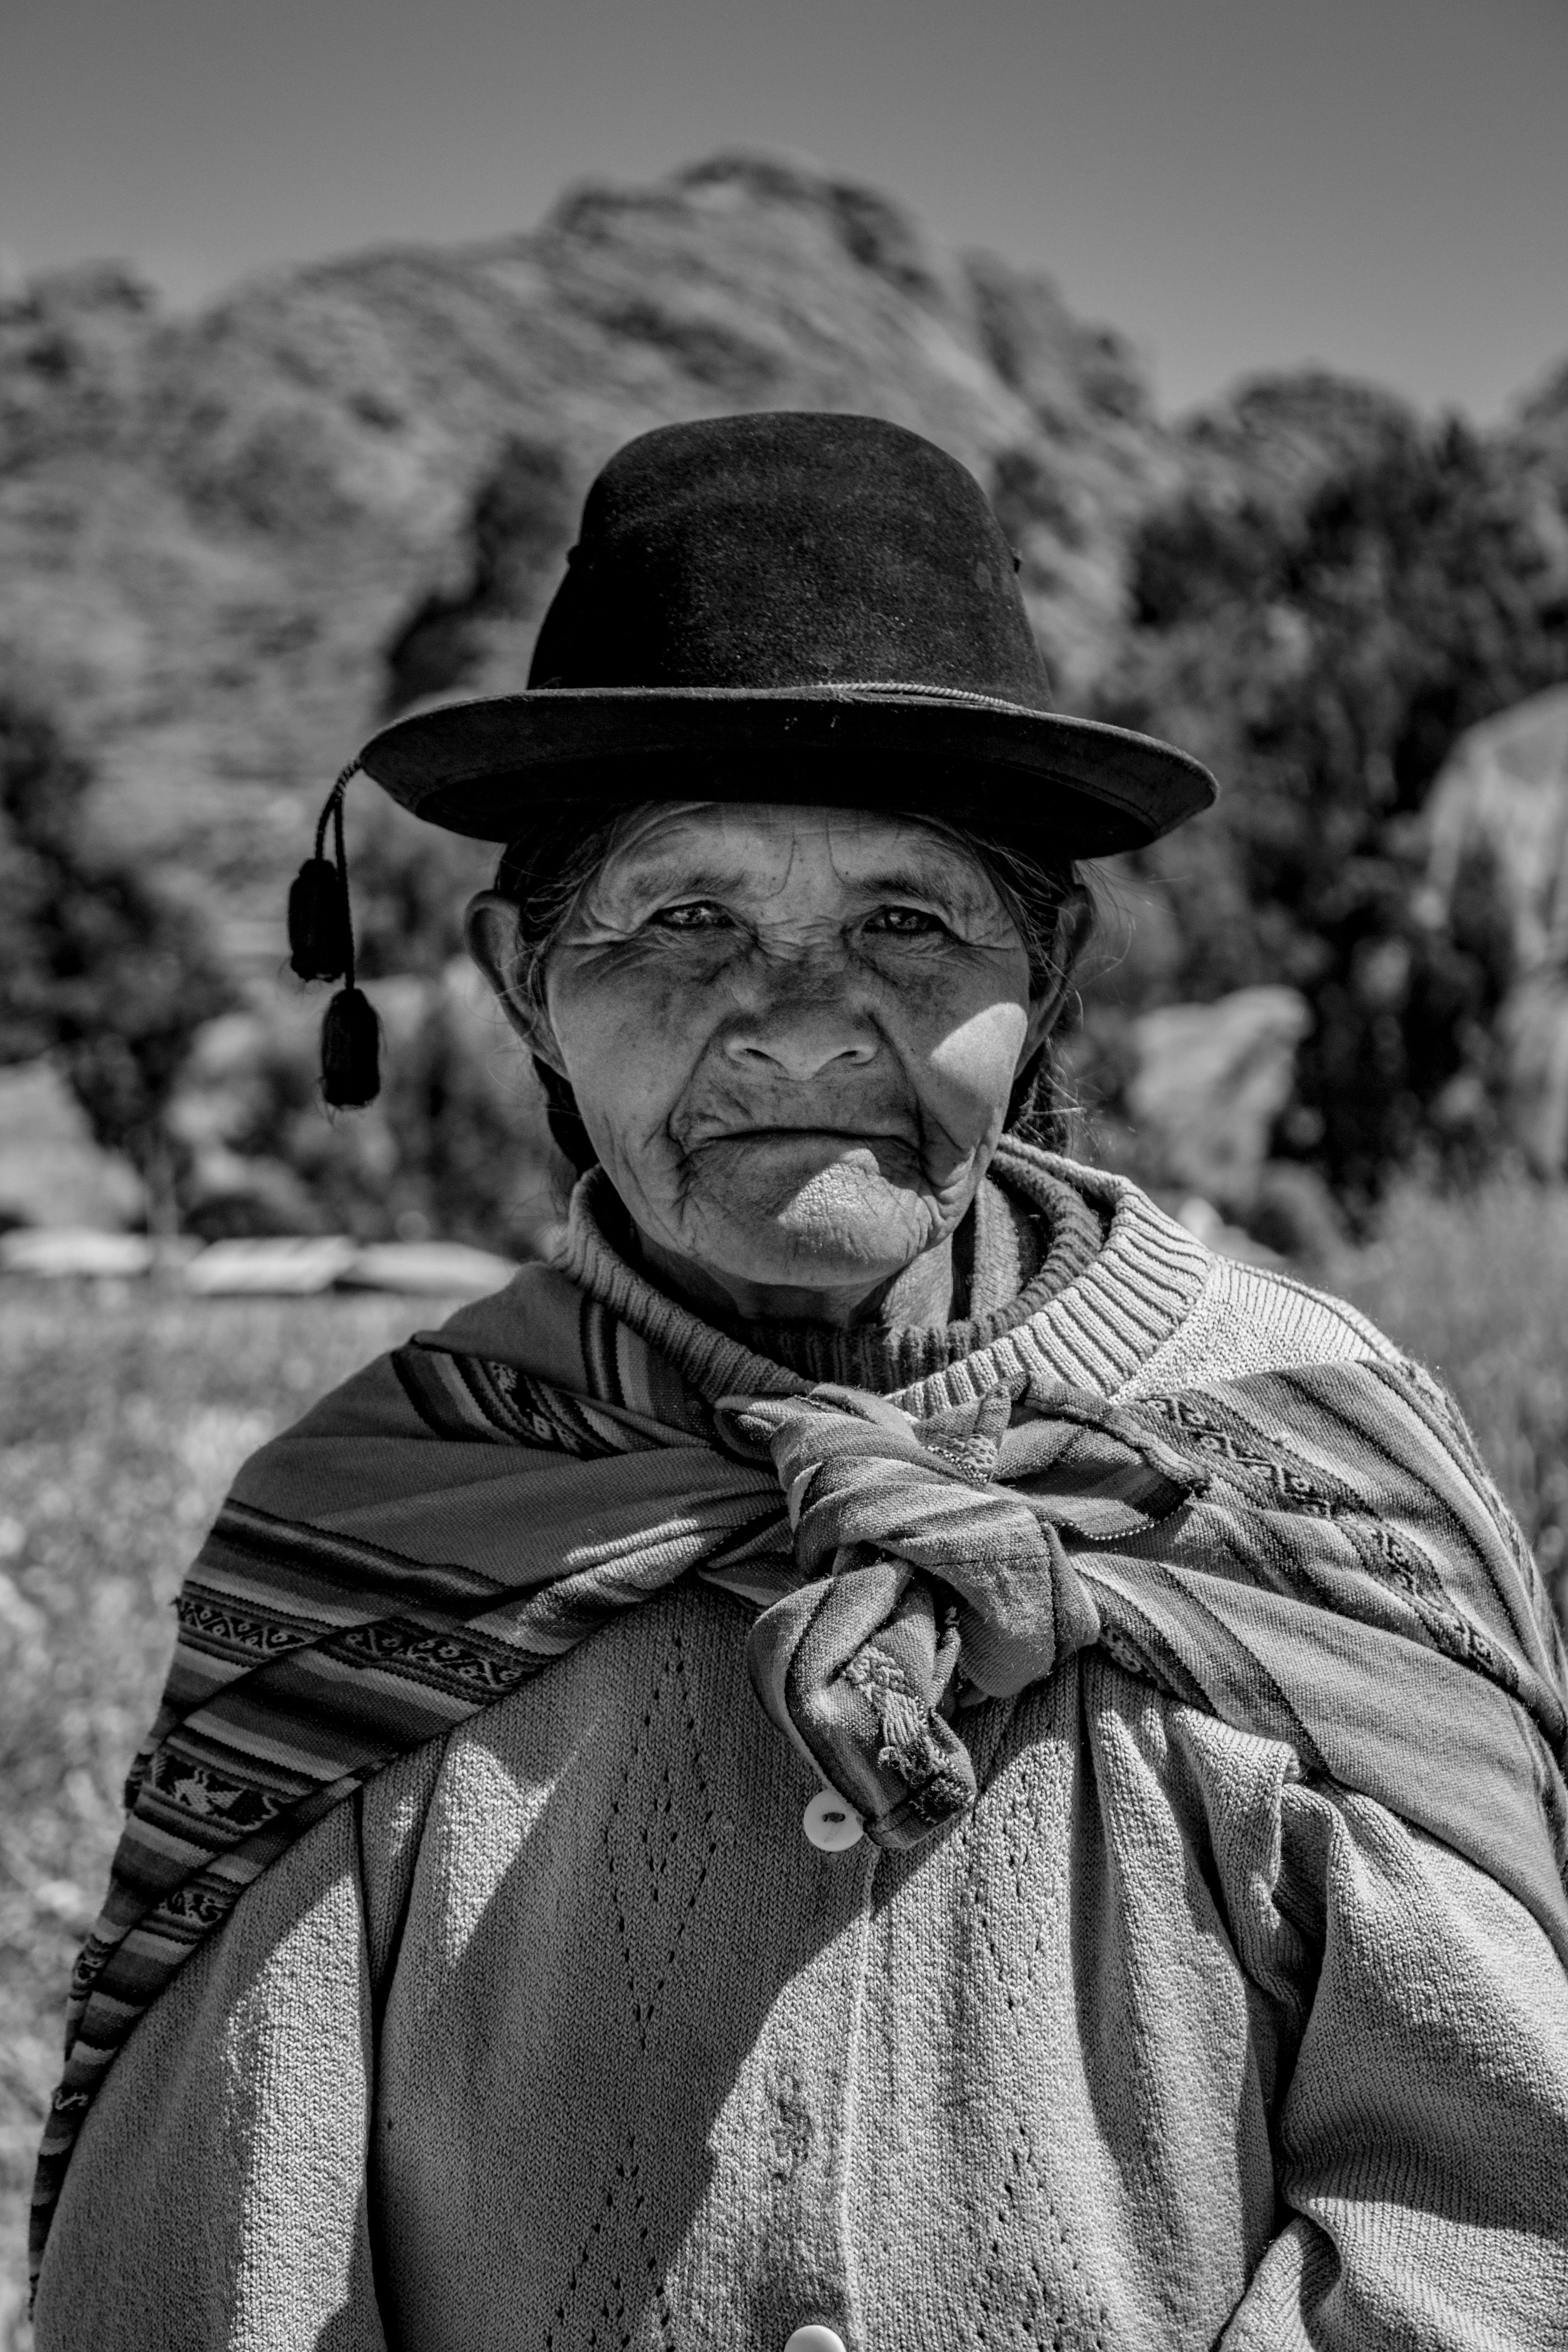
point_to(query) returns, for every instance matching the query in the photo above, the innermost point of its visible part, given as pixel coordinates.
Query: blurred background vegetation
(124, 1412)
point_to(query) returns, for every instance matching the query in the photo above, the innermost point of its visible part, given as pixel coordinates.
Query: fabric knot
(1095, 1469)
(927, 1583)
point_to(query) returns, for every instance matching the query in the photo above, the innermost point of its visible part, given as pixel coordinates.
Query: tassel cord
(335, 803)
(332, 814)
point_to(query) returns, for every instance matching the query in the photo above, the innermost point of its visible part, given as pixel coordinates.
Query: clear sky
(1381, 185)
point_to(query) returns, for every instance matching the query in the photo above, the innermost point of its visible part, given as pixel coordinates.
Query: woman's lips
(808, 1134)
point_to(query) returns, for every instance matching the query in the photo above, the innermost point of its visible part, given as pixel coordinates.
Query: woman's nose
(801, 1042)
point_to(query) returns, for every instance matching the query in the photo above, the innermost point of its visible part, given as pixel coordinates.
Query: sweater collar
(1090, 1324)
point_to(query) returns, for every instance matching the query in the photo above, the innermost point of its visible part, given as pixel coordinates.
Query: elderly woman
(884, 1754)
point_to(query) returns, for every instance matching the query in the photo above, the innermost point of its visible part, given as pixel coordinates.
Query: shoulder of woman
(530, 1322)
(1252, 1319)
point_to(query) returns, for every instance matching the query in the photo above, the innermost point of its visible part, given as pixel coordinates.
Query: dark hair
(1054, 908)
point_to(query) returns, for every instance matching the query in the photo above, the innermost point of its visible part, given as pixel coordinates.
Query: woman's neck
(922, 1294)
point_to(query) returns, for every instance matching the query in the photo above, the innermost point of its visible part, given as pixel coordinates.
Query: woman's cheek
(971, 1067)
(627, 1050)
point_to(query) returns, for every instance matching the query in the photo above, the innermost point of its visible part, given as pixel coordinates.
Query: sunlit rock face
(1210, 1082)
(51, 1172)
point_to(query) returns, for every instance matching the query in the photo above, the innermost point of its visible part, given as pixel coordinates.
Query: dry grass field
(123, 1416)
(1477, 1288)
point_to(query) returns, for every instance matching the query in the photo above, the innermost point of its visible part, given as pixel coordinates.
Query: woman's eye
(905, 922)
(696, 915)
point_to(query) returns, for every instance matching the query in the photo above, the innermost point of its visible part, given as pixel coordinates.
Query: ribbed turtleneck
(1103, 1280)
(1010, 1256)
(1095, 1331)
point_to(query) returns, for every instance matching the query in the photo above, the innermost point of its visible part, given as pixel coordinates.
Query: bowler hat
(791, 607)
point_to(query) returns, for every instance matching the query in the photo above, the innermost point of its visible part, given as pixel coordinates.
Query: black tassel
(320, 943)
(321, 947)
(350, 1051)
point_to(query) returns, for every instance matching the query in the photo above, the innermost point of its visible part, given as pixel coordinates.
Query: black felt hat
(789, 607)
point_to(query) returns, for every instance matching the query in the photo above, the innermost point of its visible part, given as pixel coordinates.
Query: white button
(816, 2338)
(833, 1827)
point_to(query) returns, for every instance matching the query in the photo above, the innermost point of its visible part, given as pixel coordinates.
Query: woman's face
(792, 1034)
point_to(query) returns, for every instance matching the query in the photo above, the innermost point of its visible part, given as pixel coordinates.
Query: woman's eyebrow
(661, 877)
(911, 882)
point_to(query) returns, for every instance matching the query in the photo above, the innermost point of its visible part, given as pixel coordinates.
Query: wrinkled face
(792, 1034)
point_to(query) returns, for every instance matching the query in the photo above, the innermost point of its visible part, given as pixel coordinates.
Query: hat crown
(787, 549)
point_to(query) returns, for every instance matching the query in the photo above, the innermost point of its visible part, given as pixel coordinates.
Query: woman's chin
(843, 1223)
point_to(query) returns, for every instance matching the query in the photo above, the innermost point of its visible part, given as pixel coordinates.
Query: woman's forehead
(765, 841)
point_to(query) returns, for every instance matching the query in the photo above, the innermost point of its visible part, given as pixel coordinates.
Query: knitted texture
(1012, 1255)
(563, 2032)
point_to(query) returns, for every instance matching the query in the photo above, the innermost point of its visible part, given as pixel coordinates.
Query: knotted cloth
(1314, 1555)
(930, 1580)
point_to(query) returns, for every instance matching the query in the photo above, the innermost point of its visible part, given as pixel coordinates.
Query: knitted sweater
(562, 2034)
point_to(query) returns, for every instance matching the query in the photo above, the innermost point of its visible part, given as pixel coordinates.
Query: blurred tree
(520, 526)
(98, 967)
(1322, 655)
(457, 1144)
(411, 882)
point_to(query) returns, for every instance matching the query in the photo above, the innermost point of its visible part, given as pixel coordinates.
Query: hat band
(909, 690)
(909, 685)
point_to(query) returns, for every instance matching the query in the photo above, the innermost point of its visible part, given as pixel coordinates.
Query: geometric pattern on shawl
(1315, 1556)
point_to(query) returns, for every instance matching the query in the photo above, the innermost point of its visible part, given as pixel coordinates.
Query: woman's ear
(490, 927)
(1044, 1011)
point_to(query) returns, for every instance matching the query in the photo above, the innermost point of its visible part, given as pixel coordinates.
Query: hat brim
(489, 768)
